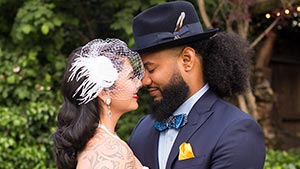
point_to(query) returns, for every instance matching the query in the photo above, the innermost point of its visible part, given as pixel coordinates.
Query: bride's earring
(107, 102)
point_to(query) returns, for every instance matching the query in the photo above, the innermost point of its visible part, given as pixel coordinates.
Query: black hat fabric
(168, 25)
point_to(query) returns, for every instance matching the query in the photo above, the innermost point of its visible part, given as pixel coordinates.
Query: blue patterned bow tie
(175, 122)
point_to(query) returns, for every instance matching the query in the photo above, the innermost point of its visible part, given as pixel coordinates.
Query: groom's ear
(187, 58)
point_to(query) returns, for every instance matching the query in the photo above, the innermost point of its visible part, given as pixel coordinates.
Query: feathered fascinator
(99, 63)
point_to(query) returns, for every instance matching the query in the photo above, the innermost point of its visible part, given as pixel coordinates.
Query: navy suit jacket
(221, 136)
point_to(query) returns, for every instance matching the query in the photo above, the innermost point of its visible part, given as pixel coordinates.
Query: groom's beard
(173, 95)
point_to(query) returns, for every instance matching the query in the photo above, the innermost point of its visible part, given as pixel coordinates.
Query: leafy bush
(30, 69)
(277, 159)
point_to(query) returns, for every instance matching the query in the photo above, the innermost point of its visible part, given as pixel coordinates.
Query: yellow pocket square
(185, 151)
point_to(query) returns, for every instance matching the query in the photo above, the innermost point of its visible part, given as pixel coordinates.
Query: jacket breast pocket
(197, 162)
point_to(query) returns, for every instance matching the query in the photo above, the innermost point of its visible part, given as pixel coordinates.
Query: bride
(100, 84)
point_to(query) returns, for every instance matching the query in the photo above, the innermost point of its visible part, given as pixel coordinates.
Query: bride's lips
(135, 96)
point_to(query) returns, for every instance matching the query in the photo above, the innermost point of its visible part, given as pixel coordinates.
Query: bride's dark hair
(77, 123)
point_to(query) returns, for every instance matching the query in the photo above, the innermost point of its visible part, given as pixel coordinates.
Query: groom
(187, 72)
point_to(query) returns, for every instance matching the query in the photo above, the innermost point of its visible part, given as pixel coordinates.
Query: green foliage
(21, 145)
(31, 67)
(124, 16)
(276, 159)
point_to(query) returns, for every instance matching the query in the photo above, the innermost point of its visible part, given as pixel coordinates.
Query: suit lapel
(151, 156)
(198, 115)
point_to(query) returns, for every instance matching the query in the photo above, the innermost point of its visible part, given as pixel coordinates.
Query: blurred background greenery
(36, 37)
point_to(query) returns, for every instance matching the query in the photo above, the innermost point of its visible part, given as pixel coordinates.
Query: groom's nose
(146, 81)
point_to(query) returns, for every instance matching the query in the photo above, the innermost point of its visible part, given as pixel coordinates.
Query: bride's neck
(109, 122)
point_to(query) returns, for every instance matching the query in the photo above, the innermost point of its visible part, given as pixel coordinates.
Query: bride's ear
(103, 96)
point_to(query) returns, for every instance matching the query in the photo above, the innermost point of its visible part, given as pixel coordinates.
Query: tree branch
(259, 38)
(203, 14)
(218, 9)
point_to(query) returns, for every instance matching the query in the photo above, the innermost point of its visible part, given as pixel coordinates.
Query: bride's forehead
(127, 67)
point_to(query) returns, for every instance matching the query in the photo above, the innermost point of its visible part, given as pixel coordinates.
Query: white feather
(100, 73)
(180, 21)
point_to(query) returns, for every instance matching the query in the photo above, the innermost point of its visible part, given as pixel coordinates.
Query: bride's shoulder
(106, 151)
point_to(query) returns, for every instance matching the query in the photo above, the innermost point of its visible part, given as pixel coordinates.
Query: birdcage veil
(100, 63)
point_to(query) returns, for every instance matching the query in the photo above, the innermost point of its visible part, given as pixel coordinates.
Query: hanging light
(294, 23)
(277, 13)
(286, 11)
(268, 16)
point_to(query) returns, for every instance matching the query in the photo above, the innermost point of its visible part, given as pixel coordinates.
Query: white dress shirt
(167, 137)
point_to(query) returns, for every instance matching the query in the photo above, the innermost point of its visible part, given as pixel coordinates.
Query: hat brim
(177, 42)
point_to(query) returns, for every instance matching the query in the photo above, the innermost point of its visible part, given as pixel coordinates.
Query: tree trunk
(263, 90)
(265, 53)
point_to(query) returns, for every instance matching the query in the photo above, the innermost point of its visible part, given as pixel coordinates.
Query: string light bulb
(286, 11)
(298, 8)
(268, 16)
(278, 14)
(294, 23)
